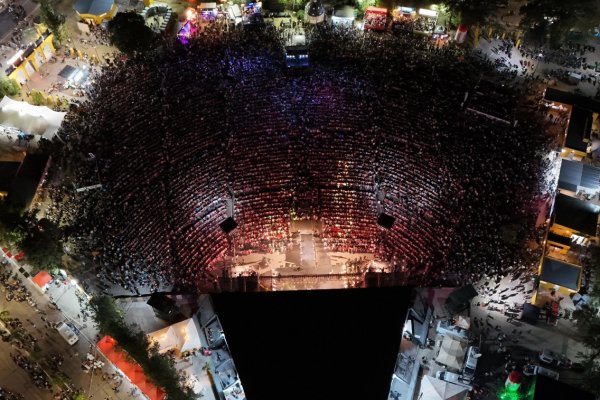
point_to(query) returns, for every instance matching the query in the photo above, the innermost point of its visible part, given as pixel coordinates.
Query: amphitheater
(301, 160)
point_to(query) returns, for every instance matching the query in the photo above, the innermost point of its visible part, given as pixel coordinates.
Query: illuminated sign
(428, 13)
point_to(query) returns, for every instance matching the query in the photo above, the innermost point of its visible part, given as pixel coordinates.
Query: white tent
(463, 321)
(30, 119)
(343, 16)
(452, 353)
(182, 336)
(437, 389)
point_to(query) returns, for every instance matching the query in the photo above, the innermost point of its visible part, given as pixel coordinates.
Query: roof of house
(576, 173)
(579, 215)
(560, 96)
(93, 7)
(579, 130)
(560, 273)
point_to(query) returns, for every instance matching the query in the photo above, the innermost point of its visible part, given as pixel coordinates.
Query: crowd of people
(183, 138)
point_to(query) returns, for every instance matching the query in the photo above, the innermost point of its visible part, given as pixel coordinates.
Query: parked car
(553, 358)
(531, 370)
(453, 378)
(66, 333)
(471, 358)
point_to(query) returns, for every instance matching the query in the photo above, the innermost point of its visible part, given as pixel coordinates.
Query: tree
(555, 18)
(129, 33)
(52, 19)
(43, 247)
(473, 11)
(159, 368)
(15, 226)
(588, 325)
(8, 87)
(38, 98)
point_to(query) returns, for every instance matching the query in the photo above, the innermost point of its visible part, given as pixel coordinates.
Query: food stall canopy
(437, 389)
(452, 353)
(376, 10)
(108, 346)
(182, 336)
(463, 321)
(42, 278)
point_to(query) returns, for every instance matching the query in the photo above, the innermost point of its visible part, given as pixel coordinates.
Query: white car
(66, 333)
(444, 328)
(471, 358)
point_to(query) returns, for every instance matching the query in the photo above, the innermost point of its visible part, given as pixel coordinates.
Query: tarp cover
(37, 120)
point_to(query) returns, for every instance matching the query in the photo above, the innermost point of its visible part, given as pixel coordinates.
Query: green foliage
(129, 33)
(15, 226)
(588, 324)
(554, 18)
(38, 98)
(8, 87)
(160, 369)
(473, 11)
(52, 19)
(42, 246)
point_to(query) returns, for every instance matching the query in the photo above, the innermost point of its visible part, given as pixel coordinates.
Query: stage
(304, 263)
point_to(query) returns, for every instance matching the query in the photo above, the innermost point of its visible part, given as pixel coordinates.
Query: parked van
(67, 333)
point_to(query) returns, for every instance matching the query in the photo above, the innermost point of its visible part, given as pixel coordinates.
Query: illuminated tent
(182, 336)
(452, 353)
(27, 118)
(108, 346)
(437, 389)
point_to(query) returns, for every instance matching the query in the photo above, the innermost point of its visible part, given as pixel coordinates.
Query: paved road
(14, 378)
